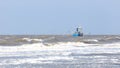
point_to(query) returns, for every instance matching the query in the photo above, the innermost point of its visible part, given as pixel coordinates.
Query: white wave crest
(29, 40)
(91, 40)
(59, 46)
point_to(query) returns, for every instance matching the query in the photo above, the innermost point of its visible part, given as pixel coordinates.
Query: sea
(59, 51)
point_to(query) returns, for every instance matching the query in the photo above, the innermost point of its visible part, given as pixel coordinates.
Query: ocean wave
(39, 60)
(89, 41)
(29, 40)
(56, 46)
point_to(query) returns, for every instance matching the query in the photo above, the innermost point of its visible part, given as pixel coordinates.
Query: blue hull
(77, 34)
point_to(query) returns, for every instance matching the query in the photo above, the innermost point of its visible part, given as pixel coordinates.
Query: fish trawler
(78, 32)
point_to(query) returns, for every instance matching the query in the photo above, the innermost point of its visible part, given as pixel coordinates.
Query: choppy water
(59, 51)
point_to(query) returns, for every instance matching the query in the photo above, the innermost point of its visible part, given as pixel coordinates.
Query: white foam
(83, 48)
(39, 60)
(58, 51)
(29, 40)
(91, 40)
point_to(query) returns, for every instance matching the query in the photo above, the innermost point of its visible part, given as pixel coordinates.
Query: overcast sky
(59, 16)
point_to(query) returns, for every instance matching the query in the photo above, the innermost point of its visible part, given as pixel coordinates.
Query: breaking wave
(56, 46)
(59, 50)
(29, 40)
